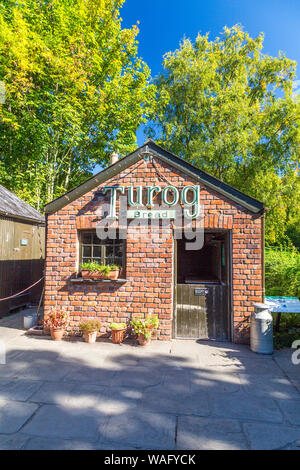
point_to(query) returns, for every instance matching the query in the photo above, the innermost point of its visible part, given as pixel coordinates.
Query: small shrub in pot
(143, 328)
(117, 332)
(94, 270)
(114, 271)
(90, 329)
(57, 320)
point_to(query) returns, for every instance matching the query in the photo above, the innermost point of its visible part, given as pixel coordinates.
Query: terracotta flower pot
(90, 336)
(113, 275)
(143, 341)
(117, 336)
(86, 274)
(57, 333)
(93, 275)
(98, 275)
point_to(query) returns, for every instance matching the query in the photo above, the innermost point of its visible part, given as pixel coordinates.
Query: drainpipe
(263, 254)
(44, 270)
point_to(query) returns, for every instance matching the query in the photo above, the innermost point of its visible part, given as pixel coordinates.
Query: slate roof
(13, 206)
(248, 202)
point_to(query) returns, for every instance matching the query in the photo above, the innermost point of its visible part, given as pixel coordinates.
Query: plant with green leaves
(114, 267)
(282, 272)
(117, 326)
(75, 90)
(94, 267)
(143, 326)
(229, 109)
(90, 325)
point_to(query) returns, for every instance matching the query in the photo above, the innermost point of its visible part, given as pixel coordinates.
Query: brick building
(197, 293)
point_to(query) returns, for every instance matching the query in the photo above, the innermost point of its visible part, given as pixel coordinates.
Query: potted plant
(114, 271)
(56, 321)
(90, 329)
(143, 328)
(94, 270)
(117, 332)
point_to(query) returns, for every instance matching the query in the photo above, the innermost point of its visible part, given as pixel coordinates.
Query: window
(106, 251)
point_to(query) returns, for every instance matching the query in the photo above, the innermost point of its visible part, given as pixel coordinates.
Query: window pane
(96, 240)
(119, 251)
(97, 251)
(109, 251)
(103, 251)
(86, 238)
(87, 252)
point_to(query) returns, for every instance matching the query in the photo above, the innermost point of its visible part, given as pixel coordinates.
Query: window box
(80, 280)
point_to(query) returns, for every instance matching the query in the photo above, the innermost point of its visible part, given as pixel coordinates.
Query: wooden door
(201, 311)
(191, 312)
(202, 308)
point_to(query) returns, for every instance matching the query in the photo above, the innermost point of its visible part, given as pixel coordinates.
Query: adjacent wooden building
(22, 252)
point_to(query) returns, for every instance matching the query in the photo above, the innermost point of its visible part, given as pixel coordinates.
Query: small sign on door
(201, 291)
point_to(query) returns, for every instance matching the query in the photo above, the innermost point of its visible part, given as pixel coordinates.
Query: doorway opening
(202, 289)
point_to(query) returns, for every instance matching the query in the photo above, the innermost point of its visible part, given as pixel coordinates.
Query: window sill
(94, 281)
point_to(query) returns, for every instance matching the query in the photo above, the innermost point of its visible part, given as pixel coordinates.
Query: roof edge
(248, 202)
(25, 219)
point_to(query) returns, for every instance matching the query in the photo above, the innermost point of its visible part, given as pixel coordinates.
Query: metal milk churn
(261, 330)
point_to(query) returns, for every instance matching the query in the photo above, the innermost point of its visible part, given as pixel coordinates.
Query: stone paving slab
(178, 394)
(13, 441)
(104, 400)
(88, 374)
(40, 443)
(142, 430)
(138, 377)
(215, 381)
(11, 369)
(243, 406)
(13, 415)
(65, 423)
(177, 380)
(291, 410)
(53, 393)
(164, 400)
(272, 436)
(207, 434)
(276, 386)
(19, 390)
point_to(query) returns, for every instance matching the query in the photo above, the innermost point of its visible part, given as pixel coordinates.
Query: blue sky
(163, 23)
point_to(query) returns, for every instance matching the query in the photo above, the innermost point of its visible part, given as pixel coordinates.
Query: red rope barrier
(18, 293)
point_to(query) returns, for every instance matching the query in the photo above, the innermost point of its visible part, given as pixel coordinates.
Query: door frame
(228, 241)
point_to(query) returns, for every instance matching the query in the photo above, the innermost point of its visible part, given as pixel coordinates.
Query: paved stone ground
(169, 395)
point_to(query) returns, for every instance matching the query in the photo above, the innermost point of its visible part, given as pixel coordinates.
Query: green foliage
(95, 267)
(114, 267)
(75, 90)
(145, 325)
(90, 325)
(117, 326)
(289, 330)
(282, 268)
(229, 109)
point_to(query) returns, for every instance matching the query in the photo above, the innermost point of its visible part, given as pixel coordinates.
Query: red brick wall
(149, 263)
